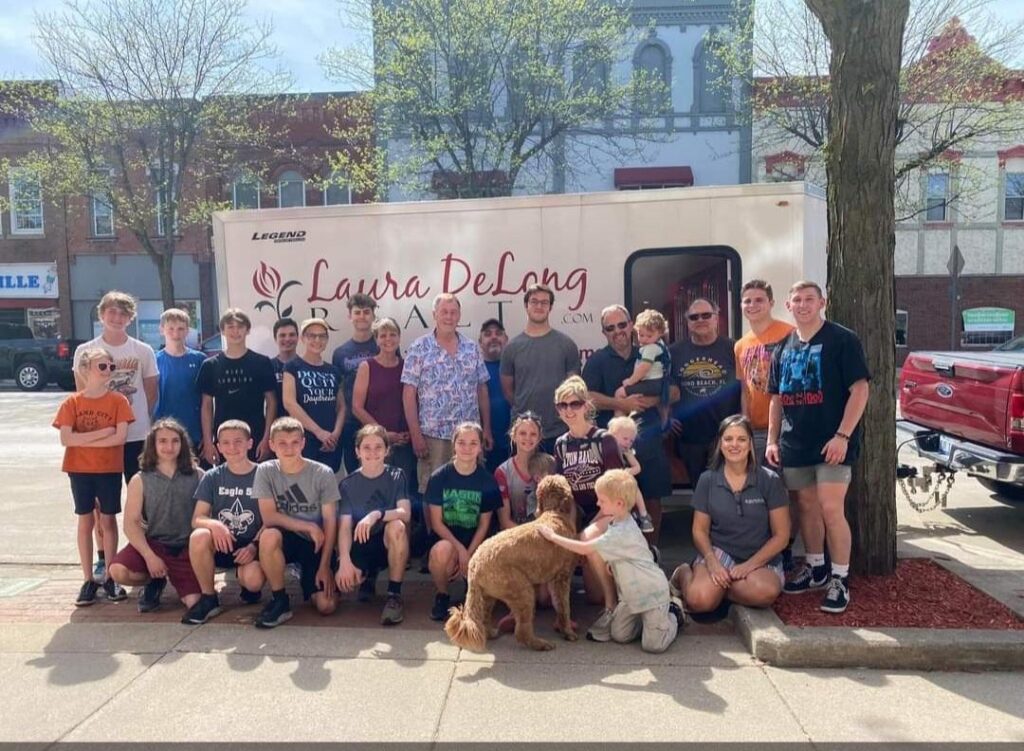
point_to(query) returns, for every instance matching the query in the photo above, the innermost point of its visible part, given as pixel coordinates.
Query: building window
(1013, 205)
(102, 215)
(245, 193)
(590, 71)
(937, 197)
(291, 190)
(901, 328)
(26, 204)
(337, 191)
(653, 63)
(710, 87)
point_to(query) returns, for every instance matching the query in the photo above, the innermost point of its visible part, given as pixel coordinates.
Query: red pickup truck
(965, 411)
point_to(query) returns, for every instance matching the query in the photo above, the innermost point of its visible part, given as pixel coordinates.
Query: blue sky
(302, 29)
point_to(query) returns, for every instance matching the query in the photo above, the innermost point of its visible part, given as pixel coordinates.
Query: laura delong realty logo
(266, 280)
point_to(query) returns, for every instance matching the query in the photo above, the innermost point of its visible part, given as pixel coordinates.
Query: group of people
(447, 442)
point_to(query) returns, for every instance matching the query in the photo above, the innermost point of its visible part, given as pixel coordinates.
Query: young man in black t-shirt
(237, 384)
(819, 387)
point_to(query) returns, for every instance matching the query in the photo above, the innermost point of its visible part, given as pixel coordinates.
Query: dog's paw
(541, 645)
(570, 635)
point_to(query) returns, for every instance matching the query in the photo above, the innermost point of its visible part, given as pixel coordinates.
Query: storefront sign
(28, 280)
(988, 319)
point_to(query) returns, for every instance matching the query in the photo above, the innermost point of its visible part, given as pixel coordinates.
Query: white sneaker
(601, 629)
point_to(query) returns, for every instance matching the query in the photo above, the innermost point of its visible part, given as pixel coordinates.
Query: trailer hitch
(932, 481)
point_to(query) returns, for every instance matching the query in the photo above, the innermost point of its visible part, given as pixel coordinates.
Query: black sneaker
(442, 603)
(368, 587)
(249, 597)
(114, 591)
(207, 607)
(274, 613)
(149, 600)
(837, 596)
(87, 594)
(806, 579)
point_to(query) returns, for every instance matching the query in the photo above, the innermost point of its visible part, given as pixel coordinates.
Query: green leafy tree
(155, 99)
(477, 97)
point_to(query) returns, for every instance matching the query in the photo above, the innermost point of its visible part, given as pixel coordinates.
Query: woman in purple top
(377, 394)
(312, 394)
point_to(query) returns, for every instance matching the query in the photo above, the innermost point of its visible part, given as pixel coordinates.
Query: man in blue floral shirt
(444, 383)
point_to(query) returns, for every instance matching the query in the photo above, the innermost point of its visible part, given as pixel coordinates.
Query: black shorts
(88, 489)
(371, 555)
(299, 550)
(227, 560)
(465, 536)
(132, 452)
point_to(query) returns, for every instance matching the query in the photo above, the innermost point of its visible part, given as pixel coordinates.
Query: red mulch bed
(920, 594)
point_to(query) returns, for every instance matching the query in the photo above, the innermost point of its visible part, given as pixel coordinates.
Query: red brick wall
(926, 300)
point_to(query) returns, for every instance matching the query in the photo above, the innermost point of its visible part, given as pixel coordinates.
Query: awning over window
(653, 177)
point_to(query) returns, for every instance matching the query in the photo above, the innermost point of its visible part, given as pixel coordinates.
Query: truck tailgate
(963, 394)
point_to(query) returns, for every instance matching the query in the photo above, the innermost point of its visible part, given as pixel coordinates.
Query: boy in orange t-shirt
(93, 424)
(754, 356)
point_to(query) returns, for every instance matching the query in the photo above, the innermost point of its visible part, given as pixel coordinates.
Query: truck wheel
(1007, 490)
(30, 376)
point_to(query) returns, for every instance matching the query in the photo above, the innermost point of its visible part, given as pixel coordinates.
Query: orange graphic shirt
(753, 364)
(85, 414)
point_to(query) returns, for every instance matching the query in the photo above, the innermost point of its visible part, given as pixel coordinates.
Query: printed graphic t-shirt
(813, 380)
(753, 367)
(301, 495)
(316, 390)
(85, 415)
(237, 386)
(232, 502)
(463, 498)
(133, 362)
(708, 389)
(582, 460)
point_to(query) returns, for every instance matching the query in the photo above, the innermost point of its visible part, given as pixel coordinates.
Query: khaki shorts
(798, 478)
(439, 453)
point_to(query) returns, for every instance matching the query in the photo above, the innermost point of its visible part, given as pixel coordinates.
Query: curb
(770, 640)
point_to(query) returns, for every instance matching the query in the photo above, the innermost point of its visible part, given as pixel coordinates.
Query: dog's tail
(465, 626)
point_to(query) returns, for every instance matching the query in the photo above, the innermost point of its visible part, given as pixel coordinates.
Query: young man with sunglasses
(704, 371)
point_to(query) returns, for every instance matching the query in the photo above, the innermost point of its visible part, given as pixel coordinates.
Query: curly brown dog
(509, 565)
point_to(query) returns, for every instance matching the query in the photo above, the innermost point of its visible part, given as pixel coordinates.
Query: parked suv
(33, 363)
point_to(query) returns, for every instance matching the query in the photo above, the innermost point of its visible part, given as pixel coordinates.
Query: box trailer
(644, 249)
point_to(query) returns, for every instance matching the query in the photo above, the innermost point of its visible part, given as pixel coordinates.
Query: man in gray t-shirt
(298, 502)
(536, 362)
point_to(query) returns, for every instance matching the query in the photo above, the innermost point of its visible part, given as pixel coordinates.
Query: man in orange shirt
(754, 356)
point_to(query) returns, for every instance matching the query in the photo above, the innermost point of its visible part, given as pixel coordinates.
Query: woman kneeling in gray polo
(740, 527)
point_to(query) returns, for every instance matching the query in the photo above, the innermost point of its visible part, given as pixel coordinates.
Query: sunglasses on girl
(574, 404)
(103, 367)
(700, 316)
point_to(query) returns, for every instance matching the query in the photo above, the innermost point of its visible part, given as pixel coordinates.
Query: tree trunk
(866, 37)
(164, 264)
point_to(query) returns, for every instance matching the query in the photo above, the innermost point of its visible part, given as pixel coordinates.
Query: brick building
(966, 204)
(92, 252)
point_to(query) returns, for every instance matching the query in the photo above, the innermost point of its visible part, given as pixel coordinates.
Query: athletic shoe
(249, 597)
(367, 587)
(207, 607)
(646, 523)
(274, 613)
(806, 579)
(149, 600)
(114, 591)
(99, 571)
(837, 596)
(442, 603)
(601, 629)
(87, 594)
(393, 612)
